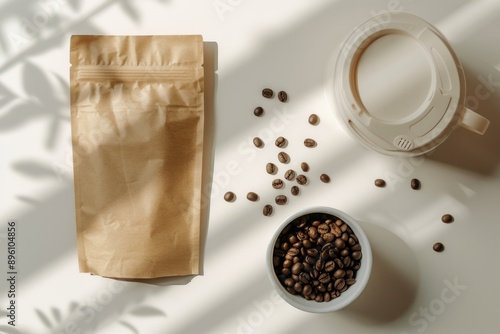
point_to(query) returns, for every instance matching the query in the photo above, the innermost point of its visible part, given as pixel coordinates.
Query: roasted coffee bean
(338, 263)
(306, 291)
(304, 166)
(287, 263)
(259, 111)
(290, 175)
(349, 273)
(379, 183)
(356, 255)
(356, 266)
(258, 142)
(313, 232)
(339, 273)
(283, 158)
(323, 228)
(296, 268)
(320, 264)
(251, 196)
(350, 281)
(301, 179)
(282, 96)
(304, 277)
(267, 93)
(347, 262)
(339, 284)
(447, 218)
(278, 184)
(326, 297)
(280, 199)
(298, 287)
(308, 142)
(293, 252)
(267, 210)
(324, 178)
(281, 142)
(328, 237)
(329, 266)
(319, 298)
(310, 259)
(356, 247)
(438, 247)
(339, 243)
(312, 252)
(324, 278)
(271, 168)
(344, 236)
(229, 196)
(415, 184)
(313, 119)
(295, 190)
(344, 252)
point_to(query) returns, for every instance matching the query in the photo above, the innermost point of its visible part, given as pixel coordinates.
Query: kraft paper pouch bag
(137, 134)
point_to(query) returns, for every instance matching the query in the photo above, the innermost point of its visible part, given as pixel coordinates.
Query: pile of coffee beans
(317, 257)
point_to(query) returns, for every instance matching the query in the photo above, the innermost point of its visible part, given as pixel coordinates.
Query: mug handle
(474, 122)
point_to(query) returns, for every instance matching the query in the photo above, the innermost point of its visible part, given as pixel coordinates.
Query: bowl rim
(345, 298)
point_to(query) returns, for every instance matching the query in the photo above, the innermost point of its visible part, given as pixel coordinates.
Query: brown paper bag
(137, 134)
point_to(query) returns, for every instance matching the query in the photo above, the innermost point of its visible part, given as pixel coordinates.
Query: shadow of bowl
(393, 283)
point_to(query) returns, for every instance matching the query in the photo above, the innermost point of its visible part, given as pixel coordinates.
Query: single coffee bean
(298, 287)
(290, 175)
(325, 178)
(301, 179)
(277, 184)
(329, 266)
(259, 111)
(267, 93)
(251, 196)
(339, 283)
(379, 183)
(283, 158)
(327, 297)
(323, 228)
(281, 142)
(356, 255)
(447, 218)
(267, 210)
(271, 168)
(415, 184)
(282, 96)
(324, 278)
(306, 291)
(312, 252)
(438, 247)
(289, 282)
(339, 273)
(308, 142)
(280, 199)
(344, 253)
(319, 264)
(339, 243)
(258, 142)
(356, 247)
(350, 281)
(313, 119)
(295, 190)
(229, 196)
(349, 274)
(304, 166)
(296, 268)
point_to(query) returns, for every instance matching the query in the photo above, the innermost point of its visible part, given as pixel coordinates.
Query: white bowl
(345, 298)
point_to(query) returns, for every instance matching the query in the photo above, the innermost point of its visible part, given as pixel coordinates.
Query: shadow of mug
(393, 283)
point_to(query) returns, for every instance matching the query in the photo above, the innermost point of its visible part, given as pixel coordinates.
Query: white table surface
(286, 45)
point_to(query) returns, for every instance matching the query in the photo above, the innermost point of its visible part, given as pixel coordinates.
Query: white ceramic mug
(399, 88)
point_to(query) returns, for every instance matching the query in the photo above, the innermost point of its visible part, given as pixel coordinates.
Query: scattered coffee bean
(301, 179)
(308, 142)
(267, 93)
(290, 175)
(304, 166)
(258, 142)
(267, 210)
(281, 142)
(271, 168)
(447, 218)
(278, 184)
(280, 199)
(313, 267)
(259, 111)
(380, 183)
(415, 184)
(314, 119)
(251, 196)
(295, 190)
(438, 247)
(282, 96)
(325, 178)
(283, 158)
(229, 196)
